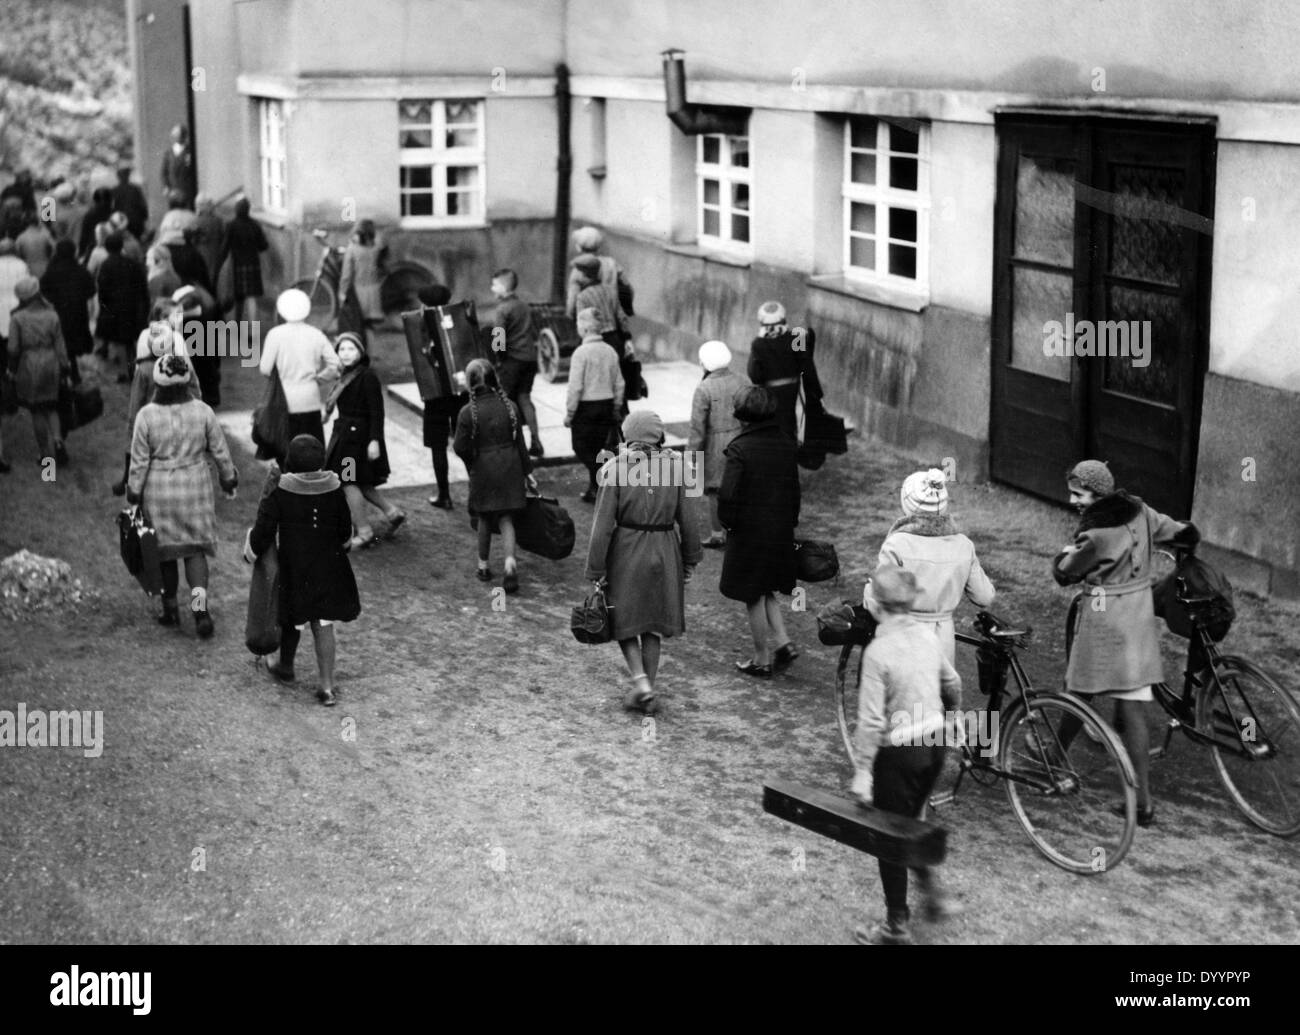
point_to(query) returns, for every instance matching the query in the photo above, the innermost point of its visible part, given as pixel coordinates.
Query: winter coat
(946, 568)
(362, 274)
(494, 453)
(360, 420)
(173, 438)
(37, 356)
(70, 289)
(244, 243)
(123, 300)
(644, 565)
(713, 421)
(787, 357)
(1116, 639)
(129, 199)
(309, 515)
(12, 270)
(758, 505)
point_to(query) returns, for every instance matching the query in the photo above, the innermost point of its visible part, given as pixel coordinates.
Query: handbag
(138, 544)
(844, 623)
(825, 432)
(545, 528)
(1201, 581)
(262, 626)
(592, 621)
(815, 561)
(271, 421)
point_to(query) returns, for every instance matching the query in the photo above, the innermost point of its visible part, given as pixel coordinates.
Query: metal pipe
(695, 119)
(563, 175)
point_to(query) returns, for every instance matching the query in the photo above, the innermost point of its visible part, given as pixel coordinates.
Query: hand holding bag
(592, 621)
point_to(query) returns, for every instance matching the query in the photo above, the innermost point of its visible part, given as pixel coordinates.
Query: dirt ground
(479, 781)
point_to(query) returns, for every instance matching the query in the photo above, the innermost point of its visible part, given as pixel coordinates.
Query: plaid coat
(169, 473)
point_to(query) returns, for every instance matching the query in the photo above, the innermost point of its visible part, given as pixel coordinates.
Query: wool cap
(588, 266)
(714, 355)
(587, 239)
(348, 338)
(1093, 475)
(171, 370)
(306, 453)
(293, 305)
(643, 426)
(894, 588)
(27, 288)
(924, 492)
(771, 312)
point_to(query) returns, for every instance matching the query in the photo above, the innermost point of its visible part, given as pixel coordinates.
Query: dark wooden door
(1102, 231)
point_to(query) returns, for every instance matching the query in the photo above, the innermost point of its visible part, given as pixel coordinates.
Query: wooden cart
(557, 337)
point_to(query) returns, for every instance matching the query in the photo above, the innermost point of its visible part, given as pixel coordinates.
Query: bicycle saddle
(994, 627)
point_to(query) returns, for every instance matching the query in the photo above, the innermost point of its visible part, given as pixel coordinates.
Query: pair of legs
(902, 779)
(506, 524)
(357, 496)
(323, 636)
(592, 427)
(767, 625)
(196, 575)
(439, 420)
(48, 429)
(1131, 725)
(642, 656)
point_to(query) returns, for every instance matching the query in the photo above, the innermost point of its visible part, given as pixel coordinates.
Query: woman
(360, 277)
(925, 542)
(101, 208)
(71, 290)
(646, 547)
(714, 425)
(781, 359)
(490, 441)
(38, 361)
(357, 453)
(161, 338)
(173, 438)
(244, 243)
(304, 360)
(123, 302)
(163, 278)
(305, 511)
(99, 249)
(594, 397)
(1113, 641)
(758, 505)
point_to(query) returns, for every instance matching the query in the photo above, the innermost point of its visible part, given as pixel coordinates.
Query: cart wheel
(549, 364)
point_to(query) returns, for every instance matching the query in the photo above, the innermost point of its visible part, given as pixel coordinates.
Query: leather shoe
(750, 669)
(1145, 817)
(441, 502)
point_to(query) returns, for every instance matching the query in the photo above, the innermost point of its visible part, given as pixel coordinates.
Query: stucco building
(928, 185)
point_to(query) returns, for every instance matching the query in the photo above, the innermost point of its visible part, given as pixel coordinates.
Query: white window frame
(439, 158)
(884, 196)
(272, 155)
(727, 175)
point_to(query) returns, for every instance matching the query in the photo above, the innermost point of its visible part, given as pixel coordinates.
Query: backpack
(1202, 581)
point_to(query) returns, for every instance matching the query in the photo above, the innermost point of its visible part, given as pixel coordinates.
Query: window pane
(416, 138)
(902, 224)
(415, 111)
(711, 222)
(1045, 210)
(862, 133)
(740, 228)
(462, 176)
(710, 149)
(740, 196)
(417, 204)
(902, 261)
(739, 151)
(902, 173)
(907, 140)
(417, 177)
(462, 203)
(862, 218)
(862, 168)
(462, 112)
(464, 137)
(862, 252)
(1038, 296)
(712, 192)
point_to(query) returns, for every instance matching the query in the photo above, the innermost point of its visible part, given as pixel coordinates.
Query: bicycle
(1062, 794)
(1250, 724)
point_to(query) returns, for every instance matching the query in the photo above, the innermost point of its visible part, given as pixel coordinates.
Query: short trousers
(516, 377)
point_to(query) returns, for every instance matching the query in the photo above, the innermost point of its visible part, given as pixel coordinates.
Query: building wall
(161, 85)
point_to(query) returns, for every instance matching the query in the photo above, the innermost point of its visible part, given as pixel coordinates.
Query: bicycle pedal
(946, 798)
(1157, 752)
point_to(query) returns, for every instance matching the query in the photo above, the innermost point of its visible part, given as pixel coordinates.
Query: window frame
(272, 155)
(884, 196)
(439, 159)
(728, 176)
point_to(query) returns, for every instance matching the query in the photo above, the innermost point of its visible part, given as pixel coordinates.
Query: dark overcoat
(360, 421)
(758, 505)
(494, 453)
(123, 300)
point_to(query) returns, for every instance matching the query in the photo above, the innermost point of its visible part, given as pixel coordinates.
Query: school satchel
(262, 626)
(544, 527)
(592, 621)
(1202, 581)
(844, 623)
(815, 561)
(271, 421)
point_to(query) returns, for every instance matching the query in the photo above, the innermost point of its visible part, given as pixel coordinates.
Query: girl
(714, 425)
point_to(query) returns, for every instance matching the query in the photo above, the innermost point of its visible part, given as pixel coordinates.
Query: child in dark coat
(306, 508)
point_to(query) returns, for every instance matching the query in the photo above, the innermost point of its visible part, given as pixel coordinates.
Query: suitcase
(441, 340)
(262, 626)
(543, 527)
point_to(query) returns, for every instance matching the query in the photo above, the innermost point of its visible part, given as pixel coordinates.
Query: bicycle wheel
(847, 674)
(1263, 776)
(1063, 793)
(324, 304)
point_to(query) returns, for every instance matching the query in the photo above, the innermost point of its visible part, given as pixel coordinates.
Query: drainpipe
(563, 174)
(694, 119)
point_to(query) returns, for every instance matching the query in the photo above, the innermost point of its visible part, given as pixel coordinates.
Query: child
(925, 542)
(904, 673)
(308, 511)
(514, 350)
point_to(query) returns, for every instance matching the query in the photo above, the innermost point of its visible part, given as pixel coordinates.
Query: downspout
(695, 119)
(563, 175)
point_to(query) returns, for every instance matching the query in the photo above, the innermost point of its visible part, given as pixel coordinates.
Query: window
(271, 154)
(441, 162)
(722, 168)
(886, 201)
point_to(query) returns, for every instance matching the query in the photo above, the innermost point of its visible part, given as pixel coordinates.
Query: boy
(904, 674)
(513, 343)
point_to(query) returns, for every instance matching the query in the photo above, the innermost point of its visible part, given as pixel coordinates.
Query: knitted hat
(348, 338)
(924, 492)
(643, 426)
(27, 288)
(771, 312)
(587, 239)
(1093, 475)
(171, 370)
(306, 453)
(588, 265)
(293, 305)
(893, 588)
(714, 355)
